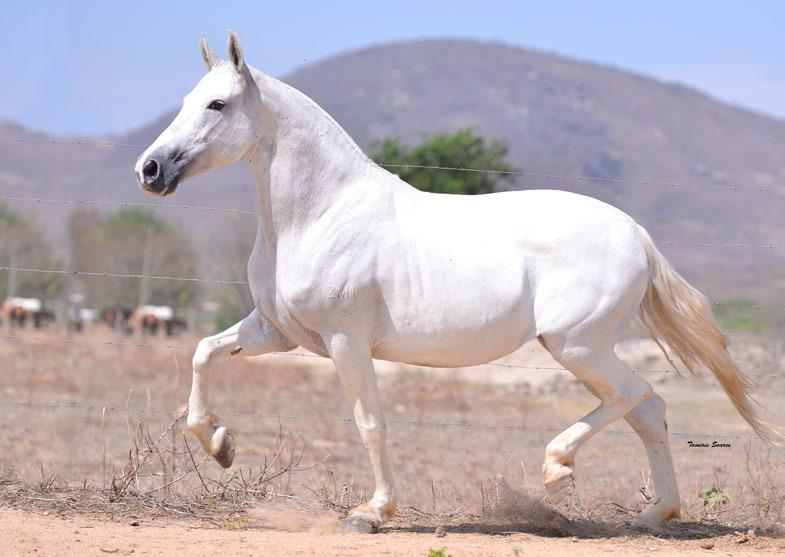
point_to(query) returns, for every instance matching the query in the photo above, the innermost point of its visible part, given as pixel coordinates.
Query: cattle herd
(145, 319)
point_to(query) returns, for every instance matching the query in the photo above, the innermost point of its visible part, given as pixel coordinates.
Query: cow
(19, 311)
(150, 319)
(79, 318)
(117, 317)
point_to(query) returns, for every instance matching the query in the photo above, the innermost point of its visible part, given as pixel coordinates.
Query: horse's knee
(204, 352)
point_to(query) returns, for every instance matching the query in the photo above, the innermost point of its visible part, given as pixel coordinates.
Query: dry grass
(129, 462)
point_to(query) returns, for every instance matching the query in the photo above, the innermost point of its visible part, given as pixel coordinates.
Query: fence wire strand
(578, 178)
(292, 417)
(231, 210)
(58, 141)
(121, 275)
(523, 173)
(724, 245)
(126, 204)
(104, 274)
(93, 341)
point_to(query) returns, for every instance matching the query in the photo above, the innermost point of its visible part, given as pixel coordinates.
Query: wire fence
(523, 173)
(51, 405)
(228, 282)
(404, 422)
(724, 245)
(58, 141)
(189, 347)
(54, 405)
(125, 204)
(121, 275)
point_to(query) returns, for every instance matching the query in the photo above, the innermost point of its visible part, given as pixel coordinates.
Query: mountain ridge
(559, 116)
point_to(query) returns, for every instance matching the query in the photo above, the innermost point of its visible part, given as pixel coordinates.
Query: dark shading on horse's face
(216, 126)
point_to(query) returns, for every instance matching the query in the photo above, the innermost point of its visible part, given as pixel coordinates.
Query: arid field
(96, 458)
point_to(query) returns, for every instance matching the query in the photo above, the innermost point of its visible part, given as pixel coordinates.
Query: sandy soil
(456, 477)
(25, 533)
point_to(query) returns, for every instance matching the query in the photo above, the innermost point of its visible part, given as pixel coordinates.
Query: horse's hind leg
(648, 421)
(250, 337)
(619, 391)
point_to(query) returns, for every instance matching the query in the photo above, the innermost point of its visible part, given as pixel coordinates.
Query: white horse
(352, 263)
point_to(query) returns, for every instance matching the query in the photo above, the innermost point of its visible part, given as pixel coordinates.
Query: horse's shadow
(581, 529)
(516, 512)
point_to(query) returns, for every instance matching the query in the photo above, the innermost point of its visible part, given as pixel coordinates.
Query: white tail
(676, 313)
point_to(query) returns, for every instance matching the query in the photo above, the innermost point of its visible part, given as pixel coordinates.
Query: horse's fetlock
(198, 422)
(388, 510)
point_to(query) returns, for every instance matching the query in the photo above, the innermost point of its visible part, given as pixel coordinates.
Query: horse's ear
(208, 54)
(235, 50)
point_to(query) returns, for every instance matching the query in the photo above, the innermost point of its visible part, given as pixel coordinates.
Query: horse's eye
(216, 105)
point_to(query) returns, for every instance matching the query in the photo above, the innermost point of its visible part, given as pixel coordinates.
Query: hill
(559, 116)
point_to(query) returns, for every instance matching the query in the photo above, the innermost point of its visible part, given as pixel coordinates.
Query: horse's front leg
(355, 368)
(250, 337)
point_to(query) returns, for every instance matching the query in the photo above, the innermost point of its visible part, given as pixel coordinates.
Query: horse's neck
(308, 161)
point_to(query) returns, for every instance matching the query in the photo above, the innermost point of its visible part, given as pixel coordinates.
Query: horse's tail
(676, 313)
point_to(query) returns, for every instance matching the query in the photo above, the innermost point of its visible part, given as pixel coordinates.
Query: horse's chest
(303, 309)
(285, 317)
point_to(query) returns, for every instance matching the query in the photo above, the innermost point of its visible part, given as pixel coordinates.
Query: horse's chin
(170, 189)
(166, 190)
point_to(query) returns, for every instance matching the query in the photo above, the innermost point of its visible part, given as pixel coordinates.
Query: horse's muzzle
(152, 178)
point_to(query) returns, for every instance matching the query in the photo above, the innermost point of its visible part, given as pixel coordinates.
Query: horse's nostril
(150, 169)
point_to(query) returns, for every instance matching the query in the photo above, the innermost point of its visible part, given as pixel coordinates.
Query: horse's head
(217, 125)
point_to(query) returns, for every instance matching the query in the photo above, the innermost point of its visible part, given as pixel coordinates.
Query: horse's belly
(458, 343)
(452, 302)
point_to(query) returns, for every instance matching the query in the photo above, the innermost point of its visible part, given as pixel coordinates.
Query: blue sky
(108, 67)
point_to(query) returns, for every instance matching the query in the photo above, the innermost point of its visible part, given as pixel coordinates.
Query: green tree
(133, 241)
(463, 148)
(24, 244)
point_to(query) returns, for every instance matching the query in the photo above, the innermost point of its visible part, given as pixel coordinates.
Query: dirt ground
(88, 447)
(24, 533)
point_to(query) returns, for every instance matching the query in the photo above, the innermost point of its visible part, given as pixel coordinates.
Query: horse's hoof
(653, 519)
(647, 527)
(558, 483)
(358, 525)
(222, 445)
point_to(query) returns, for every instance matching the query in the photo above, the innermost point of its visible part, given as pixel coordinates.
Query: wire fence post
(144, 287)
